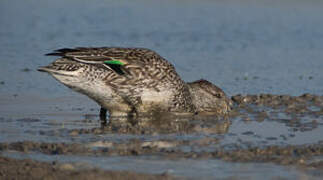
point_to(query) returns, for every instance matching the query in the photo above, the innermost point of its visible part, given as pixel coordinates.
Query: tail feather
(66, 50)
(55, 54)
(62, 52)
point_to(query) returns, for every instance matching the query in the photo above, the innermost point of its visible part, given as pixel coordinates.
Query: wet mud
(29, 169)
(243, 136)
(287, 155)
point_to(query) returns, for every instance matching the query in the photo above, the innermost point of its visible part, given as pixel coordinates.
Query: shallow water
(202, 169)
(248, 47)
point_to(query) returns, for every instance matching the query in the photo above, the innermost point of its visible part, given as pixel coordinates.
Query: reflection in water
(166, 123)
(256, 120)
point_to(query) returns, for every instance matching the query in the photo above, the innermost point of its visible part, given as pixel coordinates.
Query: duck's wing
(113, 58)
(138, 69)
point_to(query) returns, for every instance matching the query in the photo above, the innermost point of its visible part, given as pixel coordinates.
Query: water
(201, 169)
(248, 47)
(243, 47)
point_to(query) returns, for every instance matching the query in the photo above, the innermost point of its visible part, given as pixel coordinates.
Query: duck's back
(143, 78)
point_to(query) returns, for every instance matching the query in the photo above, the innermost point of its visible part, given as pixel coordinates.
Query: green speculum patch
(116, 62)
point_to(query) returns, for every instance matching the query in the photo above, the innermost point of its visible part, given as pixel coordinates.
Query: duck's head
(208, 98)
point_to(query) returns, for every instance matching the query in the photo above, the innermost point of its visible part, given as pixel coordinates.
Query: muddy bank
(281, 155)
(29, 169)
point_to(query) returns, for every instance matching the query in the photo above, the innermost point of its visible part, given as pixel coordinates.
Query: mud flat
(287, 155)
(280, 135)
(29, 169)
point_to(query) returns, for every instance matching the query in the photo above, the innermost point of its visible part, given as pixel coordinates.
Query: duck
(134, 82)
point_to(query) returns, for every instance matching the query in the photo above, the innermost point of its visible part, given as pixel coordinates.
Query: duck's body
(133, 81)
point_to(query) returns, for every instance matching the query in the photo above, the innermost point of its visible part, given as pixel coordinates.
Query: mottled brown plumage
(141, 83)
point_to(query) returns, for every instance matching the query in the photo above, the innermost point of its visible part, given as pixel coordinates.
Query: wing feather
(134, 57)
(98, 55)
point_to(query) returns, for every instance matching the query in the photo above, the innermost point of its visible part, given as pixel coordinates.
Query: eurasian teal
(134, 82)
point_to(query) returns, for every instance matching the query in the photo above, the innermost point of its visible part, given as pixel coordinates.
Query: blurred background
(247, 47)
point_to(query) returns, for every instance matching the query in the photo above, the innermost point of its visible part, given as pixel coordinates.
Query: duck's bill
(44, 69)
(50, 69)
(53, 71)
